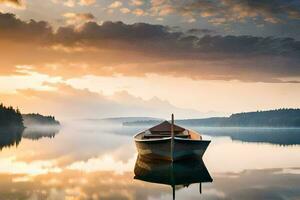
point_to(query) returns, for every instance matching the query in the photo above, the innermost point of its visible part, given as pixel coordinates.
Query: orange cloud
(14, 3)
(138, 49)
(78, 18)
(115, 4)
(87, 2)
(65, 101)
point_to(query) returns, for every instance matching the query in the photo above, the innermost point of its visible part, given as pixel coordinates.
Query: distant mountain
(142, 122)
(125, 119)
(33, 120)
(271, 118)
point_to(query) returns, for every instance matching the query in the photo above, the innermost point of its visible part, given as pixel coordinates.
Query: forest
(35, 119)
(271, 118)
(10, 118)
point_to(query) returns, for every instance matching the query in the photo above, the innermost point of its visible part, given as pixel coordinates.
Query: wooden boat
(168, 141)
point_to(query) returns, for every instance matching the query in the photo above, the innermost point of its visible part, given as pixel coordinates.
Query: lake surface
(93, 160)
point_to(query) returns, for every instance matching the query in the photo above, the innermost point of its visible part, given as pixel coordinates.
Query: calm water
(90, 160)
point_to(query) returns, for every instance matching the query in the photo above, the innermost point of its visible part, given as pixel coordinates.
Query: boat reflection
(176, 174)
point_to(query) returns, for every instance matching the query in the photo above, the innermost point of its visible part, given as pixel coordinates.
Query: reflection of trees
(40, 132)
(281, 138)
(10, 137)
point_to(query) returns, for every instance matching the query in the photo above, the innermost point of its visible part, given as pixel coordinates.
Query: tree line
(38, 119)
(271, 118)
(10, 117)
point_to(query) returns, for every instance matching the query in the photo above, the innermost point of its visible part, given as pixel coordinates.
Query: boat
(175, 174)
(168, 141)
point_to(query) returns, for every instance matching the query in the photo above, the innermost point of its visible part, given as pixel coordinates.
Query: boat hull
(161, 148)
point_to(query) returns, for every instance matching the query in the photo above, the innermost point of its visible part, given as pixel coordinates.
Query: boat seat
(164, 135)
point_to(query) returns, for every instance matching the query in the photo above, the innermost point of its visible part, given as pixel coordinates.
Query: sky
(194, 58)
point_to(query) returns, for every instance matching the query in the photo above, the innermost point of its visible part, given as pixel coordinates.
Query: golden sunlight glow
(104, 163)
(11, 165)
(26, 79)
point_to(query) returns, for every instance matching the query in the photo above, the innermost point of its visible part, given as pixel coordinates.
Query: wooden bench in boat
(164, 135)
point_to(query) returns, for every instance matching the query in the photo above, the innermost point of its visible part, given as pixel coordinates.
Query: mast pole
(172, 138)
(200, 188)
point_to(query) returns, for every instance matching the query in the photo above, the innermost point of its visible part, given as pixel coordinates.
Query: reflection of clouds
(52, 182)
(74, 144)
(289, 171)
(84, 145)
(259, 184)
(246, 185)
(215, 193)
(10, 165)
(97, 164)
(22, 179)
(104, 163)
(74, 184)
(239, 156)
(93, 185)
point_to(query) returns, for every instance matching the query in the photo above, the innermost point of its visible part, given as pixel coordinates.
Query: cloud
(136, 2)
(78, 18)
(87, 2)
(161, 8)
(15, 29)
(115, 4)
(197, 31)
(98, 49)
(14, 3)
(125, 10)
(72, 3)
(227, 11)
(65, 101)
(138, 12)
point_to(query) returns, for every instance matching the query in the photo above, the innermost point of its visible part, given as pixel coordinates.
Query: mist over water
(92, 159)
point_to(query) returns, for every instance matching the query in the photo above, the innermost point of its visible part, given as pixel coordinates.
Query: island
(39, 126)
(270, 118)
(36, 119)
(14, 126)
